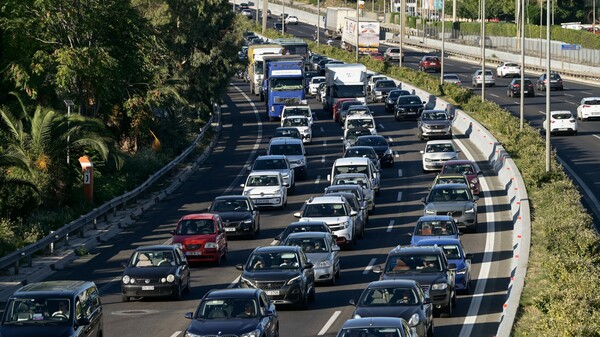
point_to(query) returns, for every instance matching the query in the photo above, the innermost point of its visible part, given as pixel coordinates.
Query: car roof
(271, 156)
(276, 249)
(460, 161)
(439, 142)
(439, 242)
(306, 223)
(560, 111)
(300, 235)
(415, 250)
(434, 110)
(265, 173)
(360, 147)
(198, 216)
(286, 140)
(232, 293)
(373, 322)
(393, 283)
(435, 218)
(371, 136)
(232, 197)
(63, 287)
(351, 175)
(351, 161)
(360, 116)
(343, 187)
(449, 186)
(326, 200)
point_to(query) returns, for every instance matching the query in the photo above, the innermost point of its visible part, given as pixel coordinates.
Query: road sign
(570, 46)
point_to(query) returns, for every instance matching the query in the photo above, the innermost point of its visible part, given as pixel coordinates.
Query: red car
(466, 167)
(336, 108)
(376, 56)
(202, 237)
(428, 63)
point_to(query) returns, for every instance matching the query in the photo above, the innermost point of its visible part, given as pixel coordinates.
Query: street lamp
(522, 87)
(318, 22)
(283, 18)
(357, 28)
(547, 86)
(402, 29)
(482, 41)
(69, 103)
(256, 13)
(443, 41)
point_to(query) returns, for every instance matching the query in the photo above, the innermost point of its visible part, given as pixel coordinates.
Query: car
(434, 226)
(373, 79)
(381, 90)
(375, 326)
(452, 78)
(362, 216)
(362, 151)
(335, 109)
(283, 272)
(251, 37)
(375, 55)
(506, 69)
(321, 65)
(238, 214)
(336, 212)
(455, 252)
(390, 101)
(266, 189)
(247, 13)
(295, 152)
(298, 110)
(361, 180)
(397, 298)
(356, 165)
(278, 163)
(244, 5)
(156, 271)
(429, 267)
(467, 168)
(589, 107)
(514, 88)
(202, 237)
(301, 123)
(234, 312)
(381, 147)
(350, 137)
(360, 121)
(434, 123)
(455, 200)
(54, 309)
(358, 192)
(314, 84)
(488, 80)
(260, 13)
(291, 20)
(393, 53)
(314, 60)
(408, 106)
(282, 132)
(302, 226)
(342, 111)
(561, 121)
(321, 91)
(556, 82)
(321, 249)
(429, 63)
(487, 40)
(279, 27)
(436, 153)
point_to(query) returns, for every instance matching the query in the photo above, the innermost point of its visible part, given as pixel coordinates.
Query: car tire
(312, 294)
(188, 286)
(303, 304)
(467, 289)
(448, 310)
(333, 280)
(431, 330)
(177, 294)
(126, 298)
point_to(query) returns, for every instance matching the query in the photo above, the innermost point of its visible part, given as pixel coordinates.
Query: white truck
(334, 20)
(344, 81)
(368, 35)
(256, 54)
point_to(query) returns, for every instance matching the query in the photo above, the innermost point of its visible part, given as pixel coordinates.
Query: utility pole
(521, 98)
(256, 12)
(547, 86)
(453, 10)
(357, 28)
(443, 41)
(482, 41)
(318, 22)
(402, 29)
(265, 11)
(283, 17)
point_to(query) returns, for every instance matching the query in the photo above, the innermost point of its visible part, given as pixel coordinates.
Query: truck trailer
(368, 35)
(255, 71)
(334, 20)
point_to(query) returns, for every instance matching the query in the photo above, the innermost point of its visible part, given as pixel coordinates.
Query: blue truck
(283, 85)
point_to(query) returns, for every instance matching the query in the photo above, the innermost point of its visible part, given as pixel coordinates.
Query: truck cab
(345, 81)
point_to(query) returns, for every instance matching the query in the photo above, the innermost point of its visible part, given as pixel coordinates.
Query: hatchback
(556, 82)
(514, 88)
(429, 63)
(202, 237)
(561, 122)
(477, 80)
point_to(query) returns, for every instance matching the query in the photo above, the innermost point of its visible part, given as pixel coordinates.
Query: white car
(436, 153)
(301, 123)
(278, 163)
(359, 179)
(247, 13)
(506, 69)
(452, 78)
(313, 86)
(291, 20)
(360, 121)
(293, 149)
(356, 165)
(266, 188)
(589, 107)
(488, 79)
(354, 110)
(336, 212)
(298, 110)
(561, 122)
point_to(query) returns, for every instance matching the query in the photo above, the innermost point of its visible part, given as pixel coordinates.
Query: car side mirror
(297, 215)
(269, 313)
(423, 200)
(189, 315)
(308, 265)
(83, 321)
(468, 256)
(377, 269)
(452, 266)
(286, 185)
(123, 265)
(352, 302)
(353, 213)
(242, 185)
(335, 248)
(475, 198)
(239, 266)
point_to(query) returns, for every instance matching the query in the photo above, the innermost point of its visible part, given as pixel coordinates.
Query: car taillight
(572, 120)
(586, 106)
(515, 85)
(552, 122)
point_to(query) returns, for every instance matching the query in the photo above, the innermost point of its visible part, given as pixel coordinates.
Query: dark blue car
(455, 253)
(434, 227)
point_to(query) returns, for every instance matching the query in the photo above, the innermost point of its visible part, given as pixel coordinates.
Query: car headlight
(429, 211)
(439, 286)
(305, 131)
(248, 282)
(126, 279)
(427, 160)
(246, 193)
(254, 333)
(388, 152)
(461, 271)
(170, 278)
(189, 334)
(293, 279)
(426, 126)
(345, 224)
(211, 245)
(324, 264)
(414, 320)
(470, 210)
(247, 221)
(277, 191)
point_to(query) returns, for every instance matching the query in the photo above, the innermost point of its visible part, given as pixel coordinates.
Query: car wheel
(332, 281)
(303, 304)
(467, 290)
(177, 293)
(312, 294)
(448, 311)
(361, 234)
(431, 330)
(372, 211)
(253, 234)
(188, 286)
(126, 298)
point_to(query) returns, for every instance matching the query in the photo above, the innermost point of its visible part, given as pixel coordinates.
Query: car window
(434, 116)
(371, 141)
(230, 205)
(154, 258)
(414, 262)
(324, 210)
(263, 180)
(434, 228)
(409, 100)
(351, 169)
(388, 297)
(286, 149)
(562, 116)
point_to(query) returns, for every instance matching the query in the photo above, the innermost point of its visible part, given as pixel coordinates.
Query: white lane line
(542, 112)
(233, 283)
(494, 95)
(324, 142)
(396, 155)
(175, 334)
(391, 139)
(596, 136)
(399, 172)
(105, 287)
(318, 180)
(390, 226)
(369, 266)
(590, 195)
(329, 323)
(569, 95)
(321, 128)
(587, 93)
(322, 159)
(381, 126)
(399, 196)
(572, 103)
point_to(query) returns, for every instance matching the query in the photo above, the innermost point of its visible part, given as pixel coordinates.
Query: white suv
(301, 123)
(336, 212)
(266, 188)
(360, 121)
(314, 84)
(293, 149)
(277, 163)
(436, 153)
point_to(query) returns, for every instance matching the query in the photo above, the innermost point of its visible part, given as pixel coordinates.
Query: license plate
(411, 113)
(526, 91)
(147, 287)
(261, 201)
(230, 229)
(272, 292)
(563, 129)
(433, 64)
(193, 253)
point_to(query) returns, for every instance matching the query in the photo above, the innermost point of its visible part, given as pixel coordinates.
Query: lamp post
(265, 13)
(547, 86)
(357, 28)
(283, 17)
(521, 98)
(318, 22)
(443, 41)
(482, 41)
(69, 103)
(402, 29)
(233, 6)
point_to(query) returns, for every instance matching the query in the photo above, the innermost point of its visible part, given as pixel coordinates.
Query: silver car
(361, 180)
(278, 163)
(320, 248)
(455, 200)
(434, 123)
(360, 219)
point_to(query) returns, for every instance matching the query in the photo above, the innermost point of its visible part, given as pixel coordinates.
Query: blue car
(434, 227)
(456, 254)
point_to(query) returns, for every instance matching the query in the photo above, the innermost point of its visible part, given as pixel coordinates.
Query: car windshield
(303, 228)
(227, 308)
(458, 168)
(391, 296)
(296, 112)
(449, 194)
(385, 84)
(562, 115)
(423, 263)
(353, 133)
(348, 91)
(592, 102)
(38, 311)
(431, 59)
(371, 141)
(360, 152)
(308, 245)
(451, 77)
(351, 169)
(434, 228)
(286, 149)
(409, 100)
(511, 65)
(152, 258)
(270, 164)
(434, 116)
(360, 123)
(348, 104)
(262, 180)
(281, 84)
(287, 133)
(371, 331)
(394, 94)
(294, 121)
(324, 210)
(431, 148)
(230, 206)
(351, 181)
(275, 260)
(451, 180)
(197, 226)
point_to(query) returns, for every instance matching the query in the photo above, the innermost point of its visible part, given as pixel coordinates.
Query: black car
(303, 226)
(153, 271)
(556, 82)
(321, 65)
(381, 147)
(363, 151)
(234, 312)
(429, 267)
(353, 134)
(514, 88)
(397, 298)
(314, 60)
(287, 132)
(239, 214)
(280, 27)
(409, 106)
(390, 101)
(283, 272)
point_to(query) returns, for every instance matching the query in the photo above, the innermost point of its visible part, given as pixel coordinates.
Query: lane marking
(587, 93)
(399, 196)
(381, 126)
(318, 180)
(329, 323)
(324, 142)
(569, 95)
(234, 283)
(369, 266)
(396, 155)
(175, 334)
(596, 136)
(322, 158)
(573, 103)
(399, 172)
(390, 226)
(542, 112)
(494, 95)
(321, 128)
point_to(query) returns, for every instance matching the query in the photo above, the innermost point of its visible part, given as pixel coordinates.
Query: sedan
(381, 89)
(561, 122)
(589, 107)
(434, 226)
(375, 55)
(467, 168)
(455, 200)
(556, 82)
(322, 250)
(153, 271)
(247, 13)
(381, 147)
(488, 80)
(303, 226)
(506, 69)
(455, 253)
(436, 153)
(202, 237)
(452, 78)
(409, 106)
(390, 101)
(429, 63)
(434, 123)
(401, 298)
(287, 132)
(291, 20)
(376, 326)
(234, 312)
(239, 214)
(363, 151)
(514, 88)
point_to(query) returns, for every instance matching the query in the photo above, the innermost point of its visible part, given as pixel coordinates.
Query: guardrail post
(95, 222)
(16, 267)
(51, 246)
(67, 240)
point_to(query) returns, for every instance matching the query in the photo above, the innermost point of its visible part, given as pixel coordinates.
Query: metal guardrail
(14, 258)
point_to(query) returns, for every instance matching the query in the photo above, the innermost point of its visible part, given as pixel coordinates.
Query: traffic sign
(570, 46)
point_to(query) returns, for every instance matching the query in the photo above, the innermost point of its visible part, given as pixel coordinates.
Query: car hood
(330, 220)
(231, 326)
(450, 205)
(401, 311)
(424, 279)
(149, 272)
(318, 257)
(234, 216)
(440, 155)
(384, 89)
(270, 275)
(257, 190)
(35, 330)
(436, 122)
(194, 238)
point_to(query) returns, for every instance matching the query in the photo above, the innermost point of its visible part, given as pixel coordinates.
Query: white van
(360, 121)
(356, 165)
